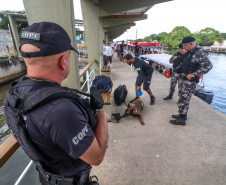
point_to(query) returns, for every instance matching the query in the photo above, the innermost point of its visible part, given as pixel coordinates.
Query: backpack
(120, 95)
(103, 83)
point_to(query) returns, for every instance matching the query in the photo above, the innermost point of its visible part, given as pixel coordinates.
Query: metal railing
(10, 145)
(89, 75)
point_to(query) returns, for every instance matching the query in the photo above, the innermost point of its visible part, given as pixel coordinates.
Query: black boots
(180, 119)
(152, 100)
(169, 97)
(178, 116)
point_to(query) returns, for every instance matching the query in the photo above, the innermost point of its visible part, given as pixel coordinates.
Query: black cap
(188, 39)
(180, 46)
(122, 41)
(103, 40)
(49, 37)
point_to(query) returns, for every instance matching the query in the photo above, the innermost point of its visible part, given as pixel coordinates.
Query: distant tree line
(204, 37)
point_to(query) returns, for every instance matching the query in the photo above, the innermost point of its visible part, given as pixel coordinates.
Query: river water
(215, 80)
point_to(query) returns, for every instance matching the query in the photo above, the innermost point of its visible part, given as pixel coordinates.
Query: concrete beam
(20, 19)
(115, 35)
(122, 26)
(63, 14)
(109, 7)
(122, 19)
(126, 16)
(15, 33)
(116, 32)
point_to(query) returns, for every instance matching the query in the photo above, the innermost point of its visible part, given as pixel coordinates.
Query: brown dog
(134, 109)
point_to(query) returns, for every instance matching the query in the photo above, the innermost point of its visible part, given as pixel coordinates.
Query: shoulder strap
(26, 102)
(30, 82)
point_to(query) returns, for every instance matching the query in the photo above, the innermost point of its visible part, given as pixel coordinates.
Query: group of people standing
(188, 64)
(139, 50)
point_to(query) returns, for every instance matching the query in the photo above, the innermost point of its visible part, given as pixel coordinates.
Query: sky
(163, 17)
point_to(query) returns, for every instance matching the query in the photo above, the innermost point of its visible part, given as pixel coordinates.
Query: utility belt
(48, 179)
(193, 79)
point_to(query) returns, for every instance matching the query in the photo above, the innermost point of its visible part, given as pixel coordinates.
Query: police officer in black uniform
(145, 72)
(122, 48)
(58, 135)
(176, 59)
(137, 50)
(195, 63)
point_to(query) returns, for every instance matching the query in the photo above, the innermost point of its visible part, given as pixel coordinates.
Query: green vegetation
(204, 37)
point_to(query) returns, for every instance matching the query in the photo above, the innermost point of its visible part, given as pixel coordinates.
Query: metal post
(24, 173)
(87, 79)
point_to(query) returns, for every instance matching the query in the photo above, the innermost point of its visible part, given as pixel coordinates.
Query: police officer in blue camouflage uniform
(176, 59)
(195, 63)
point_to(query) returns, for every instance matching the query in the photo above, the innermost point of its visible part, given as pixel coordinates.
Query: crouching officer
(195, 63)
(176, 59)
(54, 126)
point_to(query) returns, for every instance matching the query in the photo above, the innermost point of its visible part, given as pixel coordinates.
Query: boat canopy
(162, 59)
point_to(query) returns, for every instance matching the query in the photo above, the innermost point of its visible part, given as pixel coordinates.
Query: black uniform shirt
(60, 129)
(121, 47)
(137, 49)
(142, 67)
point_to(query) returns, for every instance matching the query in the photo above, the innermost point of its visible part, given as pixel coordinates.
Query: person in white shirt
(109, 54)
(104, 54)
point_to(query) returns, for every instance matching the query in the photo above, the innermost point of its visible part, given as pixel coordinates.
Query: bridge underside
(103, 20)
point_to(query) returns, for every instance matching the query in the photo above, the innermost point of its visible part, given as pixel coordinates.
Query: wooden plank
(83, 71)
(7, 149)
(107, 98)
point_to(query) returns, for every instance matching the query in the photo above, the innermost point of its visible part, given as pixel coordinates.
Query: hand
(101, 115)
(189, 76)
(174, 58)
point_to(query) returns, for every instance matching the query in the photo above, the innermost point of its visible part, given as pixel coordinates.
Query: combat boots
(178, 116)
(169, 97)
(180, 121)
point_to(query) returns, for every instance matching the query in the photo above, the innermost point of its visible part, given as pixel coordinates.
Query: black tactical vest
(188, 66)
(178, 60)
(17, 105)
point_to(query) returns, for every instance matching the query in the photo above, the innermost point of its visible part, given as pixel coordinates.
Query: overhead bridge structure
(102, 20)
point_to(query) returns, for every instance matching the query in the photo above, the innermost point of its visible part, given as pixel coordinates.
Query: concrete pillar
(95, 34)
(15, 33)
(93, 25)
(62, 13)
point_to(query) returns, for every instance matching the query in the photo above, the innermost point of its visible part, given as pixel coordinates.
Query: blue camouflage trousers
(173, 82)
(186, 89)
